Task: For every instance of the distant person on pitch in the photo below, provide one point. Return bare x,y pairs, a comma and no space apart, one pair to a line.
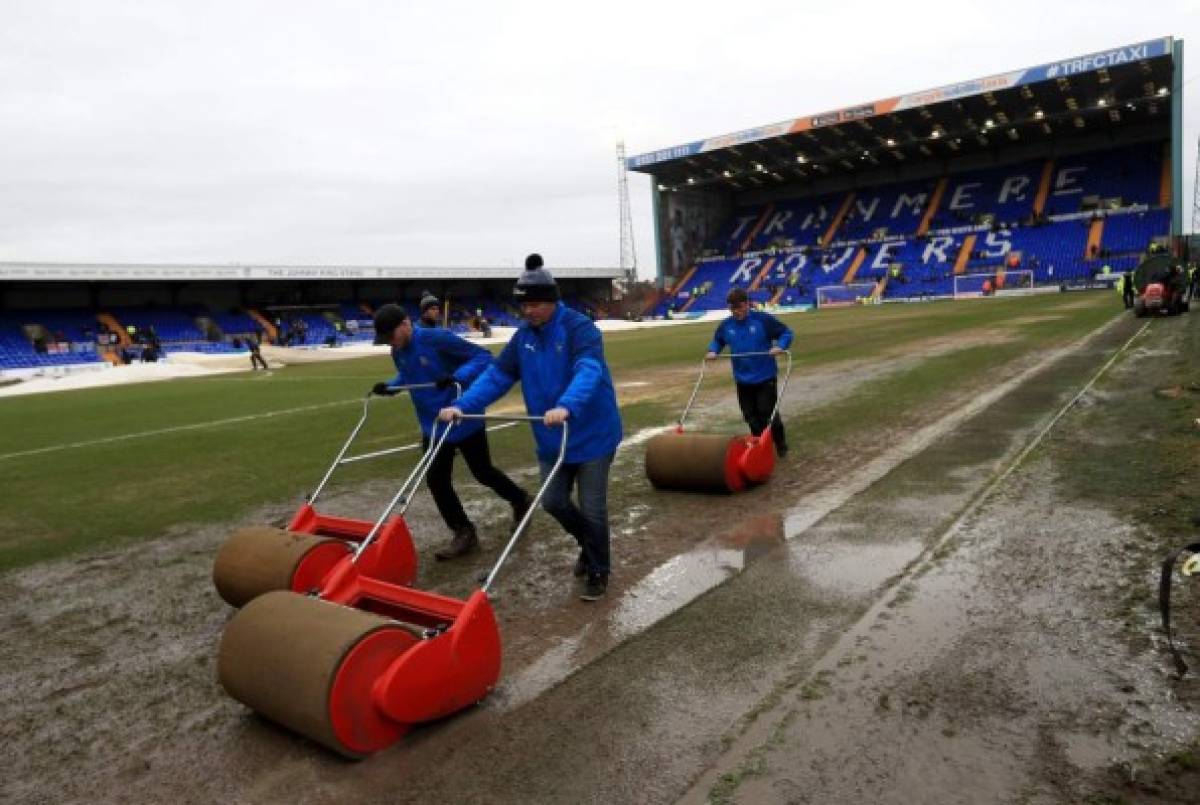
749,330
438,356
256,357
431,311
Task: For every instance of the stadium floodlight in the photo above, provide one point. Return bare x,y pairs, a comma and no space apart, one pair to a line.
691,180
801,158
1039,114
989,123
1162,91
935,133
890,142
758,166
1102,103
727,174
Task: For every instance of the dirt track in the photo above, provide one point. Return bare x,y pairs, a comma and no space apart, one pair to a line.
109,692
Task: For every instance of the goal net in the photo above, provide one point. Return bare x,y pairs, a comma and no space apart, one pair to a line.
856,293
1002,282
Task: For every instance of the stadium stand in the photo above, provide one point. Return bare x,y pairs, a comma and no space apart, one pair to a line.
52,324
170,325
236,323
26,342
983,220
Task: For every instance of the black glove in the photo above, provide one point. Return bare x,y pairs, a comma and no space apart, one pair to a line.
445,381
382,390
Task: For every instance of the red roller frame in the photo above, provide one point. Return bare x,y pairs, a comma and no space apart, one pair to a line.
390,679
750,459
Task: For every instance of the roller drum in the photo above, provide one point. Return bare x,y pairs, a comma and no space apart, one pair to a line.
688,461
260,559
311,666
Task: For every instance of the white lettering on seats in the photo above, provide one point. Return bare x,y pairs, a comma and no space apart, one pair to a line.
777,221
793,262
998,243
745,271
961,198
841,260
938,246
914,204
885,254
1014,186
814,218
865,212
1066,178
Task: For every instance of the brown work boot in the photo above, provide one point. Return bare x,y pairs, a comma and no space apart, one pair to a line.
465,541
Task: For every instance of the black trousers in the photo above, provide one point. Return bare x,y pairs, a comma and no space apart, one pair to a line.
478,456
255,360
1127,297
757,400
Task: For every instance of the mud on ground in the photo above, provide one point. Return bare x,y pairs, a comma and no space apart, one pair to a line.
1021,659
110,693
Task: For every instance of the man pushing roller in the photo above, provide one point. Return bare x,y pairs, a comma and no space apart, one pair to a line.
557,356
749,330
435,355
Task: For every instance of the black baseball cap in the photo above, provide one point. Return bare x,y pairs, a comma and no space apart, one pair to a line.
387,319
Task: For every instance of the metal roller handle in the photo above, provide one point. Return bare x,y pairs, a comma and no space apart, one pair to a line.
537,499
403,497
341,458
704,365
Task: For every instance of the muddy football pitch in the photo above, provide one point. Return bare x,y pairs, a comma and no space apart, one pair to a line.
945,593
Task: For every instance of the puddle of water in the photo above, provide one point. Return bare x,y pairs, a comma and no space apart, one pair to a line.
683,578
543,673
671,586
666,589
851,567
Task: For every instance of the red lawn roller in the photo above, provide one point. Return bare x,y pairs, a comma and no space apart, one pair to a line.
700,462
259,559
363,656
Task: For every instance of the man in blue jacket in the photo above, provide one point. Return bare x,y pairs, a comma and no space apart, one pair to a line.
435,355
749,330
557,356
431,311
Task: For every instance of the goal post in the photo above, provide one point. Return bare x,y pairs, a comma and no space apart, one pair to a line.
1002,282
855,293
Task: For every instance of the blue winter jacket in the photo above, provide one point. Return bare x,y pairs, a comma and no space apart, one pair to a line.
434,353
558,364
758,332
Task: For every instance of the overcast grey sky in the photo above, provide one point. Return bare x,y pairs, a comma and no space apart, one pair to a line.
447,133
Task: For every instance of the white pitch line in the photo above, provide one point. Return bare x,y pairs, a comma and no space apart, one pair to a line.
216,423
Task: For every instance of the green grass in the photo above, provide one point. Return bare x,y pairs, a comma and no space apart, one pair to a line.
1137,453
111,493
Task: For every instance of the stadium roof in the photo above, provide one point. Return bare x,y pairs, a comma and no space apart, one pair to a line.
141,272
1100,91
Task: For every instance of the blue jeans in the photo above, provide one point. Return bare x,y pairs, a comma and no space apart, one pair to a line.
587,522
